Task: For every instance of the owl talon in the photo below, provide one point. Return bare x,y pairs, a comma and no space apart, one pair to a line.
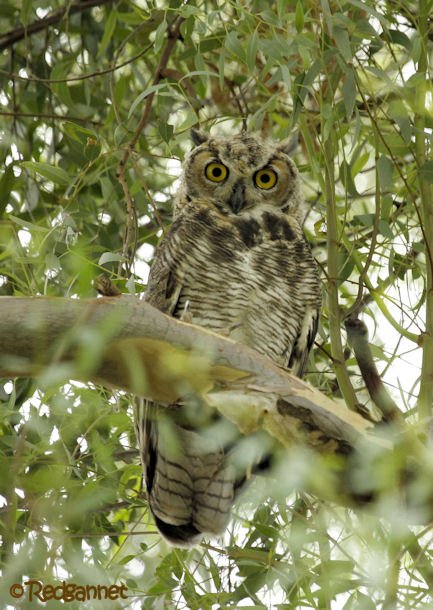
186,315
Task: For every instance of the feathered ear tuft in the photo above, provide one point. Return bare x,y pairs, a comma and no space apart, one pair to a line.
289,145
198,136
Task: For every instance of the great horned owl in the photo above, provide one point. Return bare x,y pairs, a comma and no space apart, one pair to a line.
235,261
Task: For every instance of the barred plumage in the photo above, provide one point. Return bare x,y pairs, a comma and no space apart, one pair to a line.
235,260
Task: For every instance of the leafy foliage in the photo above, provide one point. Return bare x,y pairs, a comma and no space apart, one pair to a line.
96,102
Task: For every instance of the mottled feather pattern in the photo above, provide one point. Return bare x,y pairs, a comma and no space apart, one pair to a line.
235,258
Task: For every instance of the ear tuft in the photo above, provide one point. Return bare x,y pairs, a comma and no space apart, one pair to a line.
289,145
198,136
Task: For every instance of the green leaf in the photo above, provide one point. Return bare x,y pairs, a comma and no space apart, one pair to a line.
366,219
386,206
28,225
187,28
385,229
400,38
144,94
385,168
299,17
160,36
364,7
26,8
78,133
166,131
110,257
349,93
50,172
6,183
252,48
343,42
345,264
107,37
126,559
198,73
347,178
234,46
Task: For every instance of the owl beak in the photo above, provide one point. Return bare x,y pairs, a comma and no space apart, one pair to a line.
237,198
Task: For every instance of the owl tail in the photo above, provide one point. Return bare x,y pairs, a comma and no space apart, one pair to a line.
190,485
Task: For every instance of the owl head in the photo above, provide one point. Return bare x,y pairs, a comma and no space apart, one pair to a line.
239,174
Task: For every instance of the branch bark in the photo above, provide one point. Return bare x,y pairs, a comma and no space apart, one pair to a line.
141,350
125,343
10,38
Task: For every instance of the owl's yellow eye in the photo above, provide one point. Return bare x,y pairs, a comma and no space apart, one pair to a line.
265,178
216,172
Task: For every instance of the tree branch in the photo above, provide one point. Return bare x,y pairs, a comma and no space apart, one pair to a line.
173,35
10,38
425,397
357,335
140,351
126,343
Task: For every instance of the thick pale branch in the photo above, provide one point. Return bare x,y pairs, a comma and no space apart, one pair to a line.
123,342
128,344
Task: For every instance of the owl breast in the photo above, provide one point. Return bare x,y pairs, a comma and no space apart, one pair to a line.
251,278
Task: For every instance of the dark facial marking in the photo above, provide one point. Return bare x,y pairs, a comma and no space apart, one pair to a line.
277,227
249,231
287,230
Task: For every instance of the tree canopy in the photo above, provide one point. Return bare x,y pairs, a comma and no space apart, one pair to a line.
97,99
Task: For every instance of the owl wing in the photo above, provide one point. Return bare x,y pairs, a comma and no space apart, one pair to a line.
304,341
167,273
189,485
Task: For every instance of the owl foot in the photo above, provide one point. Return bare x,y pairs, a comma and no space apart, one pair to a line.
186,315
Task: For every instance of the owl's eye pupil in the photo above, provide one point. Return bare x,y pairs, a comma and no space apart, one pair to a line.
265,179
216,172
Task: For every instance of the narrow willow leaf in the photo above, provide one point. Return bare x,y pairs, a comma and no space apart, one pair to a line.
234,46
50,172
299,16
252,48
347,178
110,257
343,42
349,93
385,168
160,36
107,37
28,225
6,183
146,93
385,229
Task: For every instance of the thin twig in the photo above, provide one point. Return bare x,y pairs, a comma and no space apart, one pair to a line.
70,79
130,237
48,115
13,36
